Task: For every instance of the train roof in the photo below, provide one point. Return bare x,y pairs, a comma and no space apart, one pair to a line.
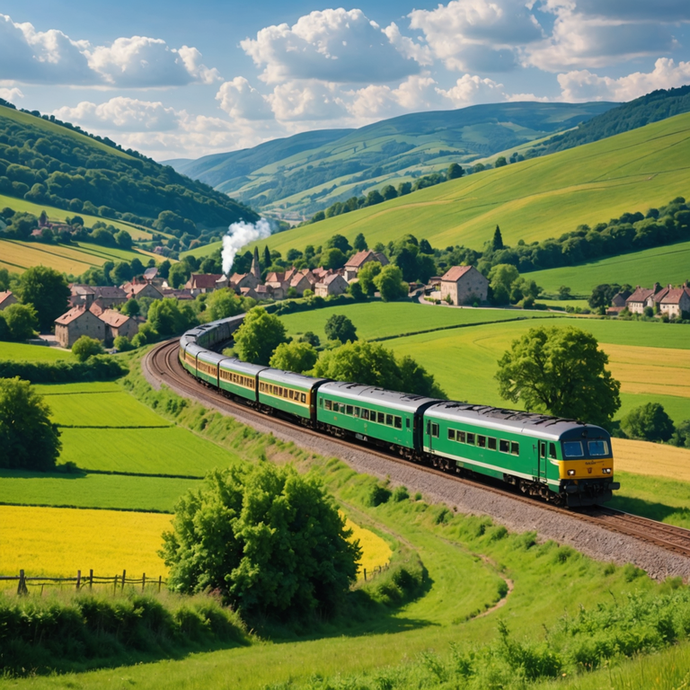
194,349
362,395
210,357
237,365
289,378
516,421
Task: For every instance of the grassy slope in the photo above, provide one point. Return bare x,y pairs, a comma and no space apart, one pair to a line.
531,200
37,353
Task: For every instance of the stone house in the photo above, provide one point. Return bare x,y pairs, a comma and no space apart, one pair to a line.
241,280
202,282
355,262
331,285
7,299
139,290
637,302
118,324
302,280
675,302
76,322
464,284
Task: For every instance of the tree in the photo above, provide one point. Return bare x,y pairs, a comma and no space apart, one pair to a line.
649,422
47,291
168,317
360,243
391,284
258,336
374,197
454,171
223,303
367,275
500,162
311,338
389,192
295,356
131,308
501,279
404,188
271,541
355,289
681,436
86,347
338,242
178,275
122,272
339,327
333,258
560,371
29,440
564,293
123,240
122,343
267,257
497,241
425,247
21,321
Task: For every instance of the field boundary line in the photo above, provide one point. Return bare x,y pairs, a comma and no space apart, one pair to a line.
142,474
66,506
88,426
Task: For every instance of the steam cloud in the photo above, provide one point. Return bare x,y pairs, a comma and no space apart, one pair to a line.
239,235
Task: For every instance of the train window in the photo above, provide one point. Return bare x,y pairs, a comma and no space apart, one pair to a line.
357,412
365,413
598,448
320,401
398,422
572,449
504,446
552,451
492,443
303,397
514,448
481,441
434,430
470,439
381,418
349,410
329,404
460,436
389,419
451,434
407,422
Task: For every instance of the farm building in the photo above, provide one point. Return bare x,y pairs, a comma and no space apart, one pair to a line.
7,299
118,324
675,302
463,285
355,263
331,285
641,298
203,282
138,290
243,280
76,322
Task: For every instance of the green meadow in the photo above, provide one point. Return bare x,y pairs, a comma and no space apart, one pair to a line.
531,200
36,353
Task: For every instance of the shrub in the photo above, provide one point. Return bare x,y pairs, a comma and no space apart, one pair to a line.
377,495
400,493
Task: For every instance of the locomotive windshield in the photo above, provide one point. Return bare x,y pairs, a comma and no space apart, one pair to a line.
597,448
572,449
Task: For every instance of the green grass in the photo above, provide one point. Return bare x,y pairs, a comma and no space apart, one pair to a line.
108,409
531,200
670,264
92,490
34,353
381,320
80,387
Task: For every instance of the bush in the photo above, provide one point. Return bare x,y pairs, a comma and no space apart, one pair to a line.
400,493
86,347
649,422
377,495
99,368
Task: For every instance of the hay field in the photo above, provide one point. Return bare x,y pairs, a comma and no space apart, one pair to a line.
375,551
653,459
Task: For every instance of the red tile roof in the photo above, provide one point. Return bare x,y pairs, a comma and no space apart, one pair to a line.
5,295
640,295
71,315
360,258
204,281
455,273
674,295
113,318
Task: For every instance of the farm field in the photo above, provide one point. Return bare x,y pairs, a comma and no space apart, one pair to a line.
375,551
34,353
376,320
652,459
589,184
669,264
74,259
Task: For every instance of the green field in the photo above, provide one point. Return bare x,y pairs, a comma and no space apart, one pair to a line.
36,353
670,264
531,200
92,490
74,259
378,320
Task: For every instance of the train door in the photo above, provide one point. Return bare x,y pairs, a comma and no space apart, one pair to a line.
542,461
432,433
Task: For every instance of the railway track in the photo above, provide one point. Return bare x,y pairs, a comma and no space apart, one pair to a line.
163,363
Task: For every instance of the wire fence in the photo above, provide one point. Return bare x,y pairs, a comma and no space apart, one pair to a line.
84,581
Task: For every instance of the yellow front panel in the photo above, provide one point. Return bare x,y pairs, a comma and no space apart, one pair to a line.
585,469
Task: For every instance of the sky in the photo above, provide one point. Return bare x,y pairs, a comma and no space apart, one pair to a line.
177,79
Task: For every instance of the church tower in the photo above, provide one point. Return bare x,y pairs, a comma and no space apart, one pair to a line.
256,266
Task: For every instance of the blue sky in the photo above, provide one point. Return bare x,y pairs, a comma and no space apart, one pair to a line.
181,79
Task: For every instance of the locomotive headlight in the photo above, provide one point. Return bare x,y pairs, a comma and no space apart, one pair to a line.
607,470
571,473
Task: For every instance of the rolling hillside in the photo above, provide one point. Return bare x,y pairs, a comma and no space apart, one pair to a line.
305,173
530,200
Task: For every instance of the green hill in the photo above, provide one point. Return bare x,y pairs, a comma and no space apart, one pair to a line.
310,171
530,200
50,163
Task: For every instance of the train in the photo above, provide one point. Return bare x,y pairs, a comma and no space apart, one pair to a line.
560,460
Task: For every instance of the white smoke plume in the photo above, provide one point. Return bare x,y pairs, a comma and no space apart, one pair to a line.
239,235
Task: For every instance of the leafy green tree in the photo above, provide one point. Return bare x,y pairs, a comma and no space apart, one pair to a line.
355,289
454,171
564,293
123,240
404,188
178,275
497,241
311,338
122,273
258,336
360,243
29,440
649,422
5,278
388,192
333,258
270,540
4,329
164,269
86,347
681,436
374,197
122,344
500,162
560,371
47,291
168,316
501,279
21,321
295,356
414,378
339,327
391,284
222,303
425,247
367,275
131,308
338,242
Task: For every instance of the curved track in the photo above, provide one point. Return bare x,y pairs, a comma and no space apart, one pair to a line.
163,363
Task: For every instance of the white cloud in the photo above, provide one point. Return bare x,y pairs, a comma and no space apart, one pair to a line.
11,94
479,35
471,89
123,114
311,100
239,99
52,57
332,45
582,85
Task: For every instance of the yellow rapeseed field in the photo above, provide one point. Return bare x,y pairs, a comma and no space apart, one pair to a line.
650,370
642,457
59,541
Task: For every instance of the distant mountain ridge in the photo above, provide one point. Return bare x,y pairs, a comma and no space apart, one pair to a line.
304,173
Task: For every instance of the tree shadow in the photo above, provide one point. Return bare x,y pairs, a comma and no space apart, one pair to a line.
26,474
651,509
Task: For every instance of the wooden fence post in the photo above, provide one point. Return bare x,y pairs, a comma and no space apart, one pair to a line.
160,582
78,579
115,584
365,574
21,587
124,574
91,578
143,581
